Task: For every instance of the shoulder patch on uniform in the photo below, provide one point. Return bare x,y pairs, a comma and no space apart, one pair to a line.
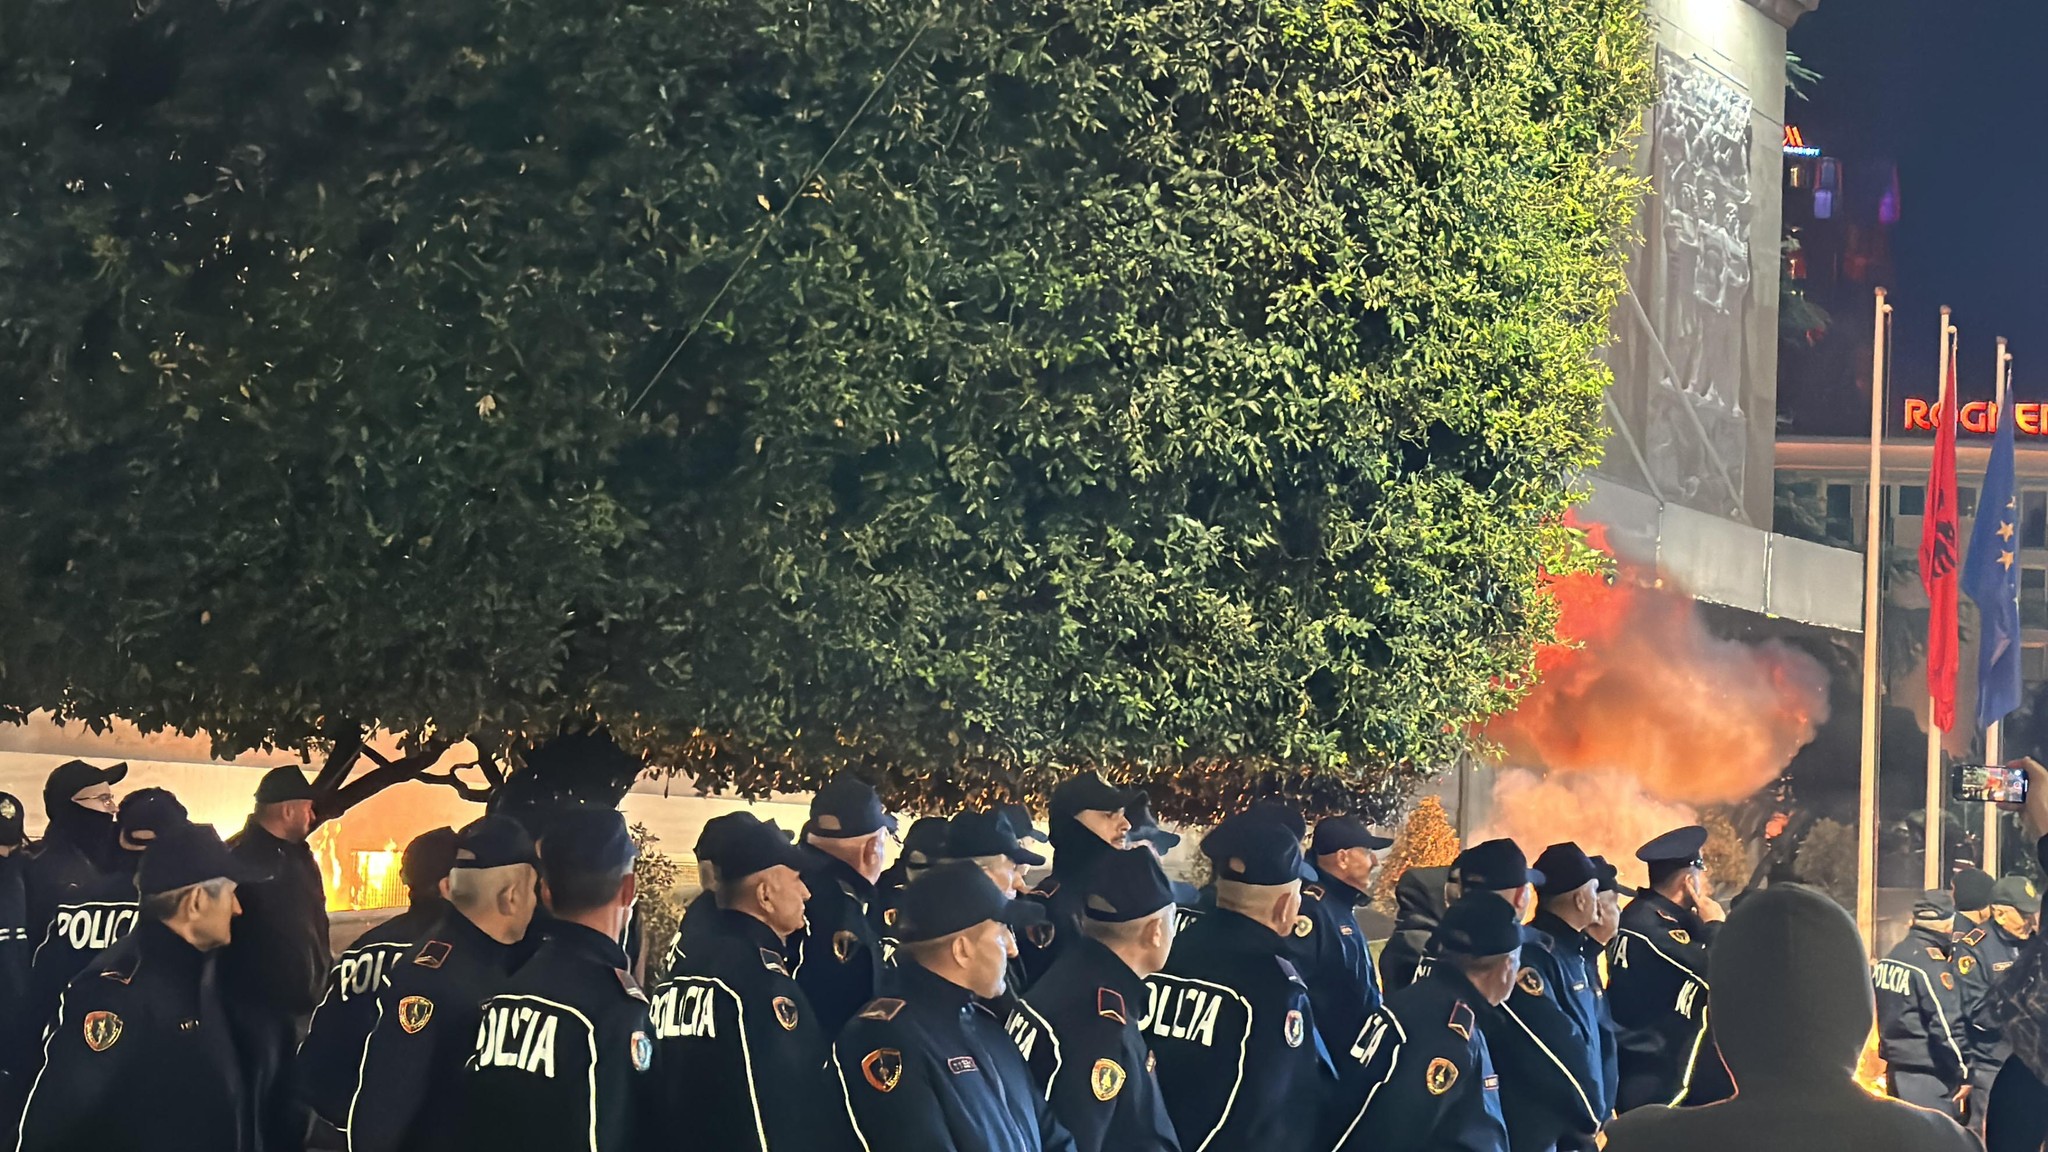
1040,934
844,945
102,1030
1936,954
1312,891
962,1065
1966,964
1287,967
1975,937
413,1014
884,1008
631,986
1303,925
433,954
2001,966
1440,1076
882,1068
1530,981
1681,935
1109,1004
1295,1029
643,1052
1106,1079
1948,981
117,976
785,1013
773,961
1461,1020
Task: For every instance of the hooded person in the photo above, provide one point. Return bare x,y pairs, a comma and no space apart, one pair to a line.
81,845
1418,906
1086,819
1793,1005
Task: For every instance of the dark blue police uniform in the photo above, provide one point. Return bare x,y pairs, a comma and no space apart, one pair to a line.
1919,1011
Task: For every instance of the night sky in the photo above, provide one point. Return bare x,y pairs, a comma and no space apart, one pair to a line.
1953,91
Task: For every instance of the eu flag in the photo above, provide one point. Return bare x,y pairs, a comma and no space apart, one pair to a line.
1991,578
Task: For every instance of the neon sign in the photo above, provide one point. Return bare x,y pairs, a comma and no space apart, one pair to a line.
1979,417
1795,142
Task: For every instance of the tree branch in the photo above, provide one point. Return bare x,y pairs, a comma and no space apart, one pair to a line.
384,775
341,761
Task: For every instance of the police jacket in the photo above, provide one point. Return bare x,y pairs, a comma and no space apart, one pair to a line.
1582,995
1039,945
15,950
1230,1023
76,910
281,955
1419,1077
332,1052
837,958
745,1065
1657,988
693,929
1418,905
1079,1033
927,1068
1920,1007
564,1054
1981,954
1545,1046
1334,960
140,1056
405,1090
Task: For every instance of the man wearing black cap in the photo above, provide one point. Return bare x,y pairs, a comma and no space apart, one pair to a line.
1981,954
1919,1010
1086,820
927,1068
81,846
923,846
744,1063
16,949
987,840
1420,1077
1240,1062
1079,1032
838,956
699,916
404,1091
140,1054
1599,934
1328,946
1972,890
330,1057
1657,980
1546,1039
564,1055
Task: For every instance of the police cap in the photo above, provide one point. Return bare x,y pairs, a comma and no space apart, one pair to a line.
2016,892
1145,826
741,844
148,811
188,854
1285,813
1495,866
1340,832
1253,848
1020,822
925,842
1565,867
1088,792
953,896
494,842
847,808
1674,851
1973,889
11,819
1126,886
1610,876
74,776
283,783
587,841
974,834
1480,924
428,857
1934,904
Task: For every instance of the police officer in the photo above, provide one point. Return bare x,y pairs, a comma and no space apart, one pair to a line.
923,846
1419,1077
405,1092
331,1055
1980,955
838,956
987,840
1972,890
15,949
1086,820
701,915
140,1054
927,1068
1240,1062
1919,1009
744,1063
1657,979
1552,1059
1420,897
1329,948
1079,1031
1599,934
563,1055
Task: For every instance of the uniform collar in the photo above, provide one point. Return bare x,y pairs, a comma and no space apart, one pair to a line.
838,870
1108,969
1945,939
748,929
1241,933
461,930
1451,975
1345,893
586,941
163,949
928,991
1555,928
1667,906
1998,930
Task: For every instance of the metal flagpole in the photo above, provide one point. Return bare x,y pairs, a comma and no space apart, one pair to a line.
1931,869
1994,736
1873,545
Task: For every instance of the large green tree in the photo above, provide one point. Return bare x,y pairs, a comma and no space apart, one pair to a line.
957,393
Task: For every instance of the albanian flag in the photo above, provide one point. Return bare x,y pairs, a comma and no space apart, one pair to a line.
1939,558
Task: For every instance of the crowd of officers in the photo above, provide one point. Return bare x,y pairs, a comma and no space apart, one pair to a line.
168,990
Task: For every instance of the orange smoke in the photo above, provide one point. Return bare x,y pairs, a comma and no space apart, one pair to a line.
1645,717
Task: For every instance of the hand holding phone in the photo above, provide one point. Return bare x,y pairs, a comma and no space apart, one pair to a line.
1989,783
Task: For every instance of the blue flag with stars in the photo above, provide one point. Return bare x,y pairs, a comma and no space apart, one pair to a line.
1991,579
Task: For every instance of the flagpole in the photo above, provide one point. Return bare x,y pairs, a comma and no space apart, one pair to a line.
1931,854
1873,543
1994,736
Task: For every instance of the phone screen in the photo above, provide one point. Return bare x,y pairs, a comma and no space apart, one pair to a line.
1988,783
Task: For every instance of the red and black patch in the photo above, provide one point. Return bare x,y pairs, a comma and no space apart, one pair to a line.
885,1008
1109,1004
433,954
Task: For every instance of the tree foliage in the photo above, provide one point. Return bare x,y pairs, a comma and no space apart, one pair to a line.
958,394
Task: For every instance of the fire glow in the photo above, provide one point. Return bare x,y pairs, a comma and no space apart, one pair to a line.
1644,717
360,852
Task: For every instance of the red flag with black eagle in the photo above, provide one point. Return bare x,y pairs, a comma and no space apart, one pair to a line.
1940,559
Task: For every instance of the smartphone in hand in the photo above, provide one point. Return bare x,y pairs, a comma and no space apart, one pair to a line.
1988,783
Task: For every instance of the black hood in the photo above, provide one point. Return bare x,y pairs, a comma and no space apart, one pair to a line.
90,832
1075,848
1419,899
